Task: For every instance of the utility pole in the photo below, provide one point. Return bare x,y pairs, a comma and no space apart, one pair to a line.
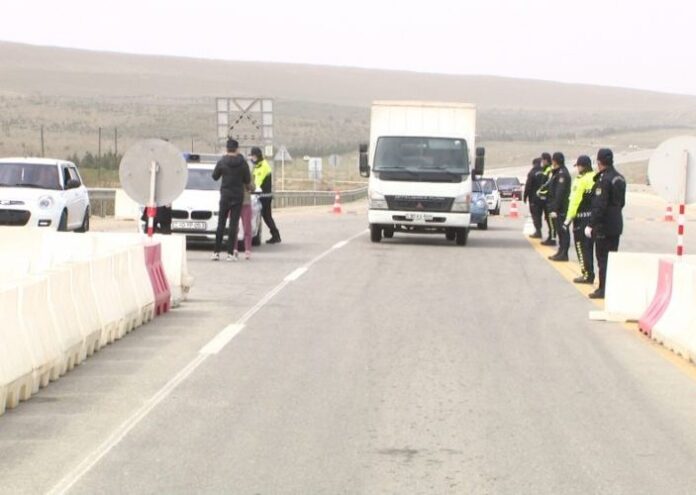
99,158
191,144
43,149
116,142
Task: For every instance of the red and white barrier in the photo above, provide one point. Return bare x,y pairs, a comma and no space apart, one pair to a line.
153,262
676,329
660,301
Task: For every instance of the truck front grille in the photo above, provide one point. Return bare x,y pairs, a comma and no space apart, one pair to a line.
419,203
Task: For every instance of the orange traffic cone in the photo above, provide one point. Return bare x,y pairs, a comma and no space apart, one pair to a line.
669,214
337,204
514,212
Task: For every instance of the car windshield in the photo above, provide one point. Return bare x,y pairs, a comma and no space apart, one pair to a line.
508,181
421,154
201,180
33,175
488,185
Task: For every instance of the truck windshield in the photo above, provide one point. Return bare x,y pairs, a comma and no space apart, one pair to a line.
33,175
420,154
201,180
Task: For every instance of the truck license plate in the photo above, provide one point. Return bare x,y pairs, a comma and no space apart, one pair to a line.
189,225
418,217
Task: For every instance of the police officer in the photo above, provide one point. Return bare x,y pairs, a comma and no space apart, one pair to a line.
579,215
606,219
542,194
535,180
559,194
263,179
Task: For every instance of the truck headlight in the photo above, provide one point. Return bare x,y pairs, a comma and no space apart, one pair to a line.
46,202
462,204
376,201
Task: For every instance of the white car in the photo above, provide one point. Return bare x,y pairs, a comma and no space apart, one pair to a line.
195,211
490,189
43,192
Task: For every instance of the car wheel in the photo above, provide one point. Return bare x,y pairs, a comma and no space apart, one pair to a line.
85,222
63,223
375,232
483,225
461,237
388,232
450,234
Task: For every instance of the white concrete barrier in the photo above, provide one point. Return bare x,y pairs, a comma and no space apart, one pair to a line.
675,329
85,306
16,359
107,299
65,320
631,285
175,262
125,208
39,330
125,286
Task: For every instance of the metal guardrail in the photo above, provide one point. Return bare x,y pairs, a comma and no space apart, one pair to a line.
103,200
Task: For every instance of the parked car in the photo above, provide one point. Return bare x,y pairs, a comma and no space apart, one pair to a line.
43,192
195,211
479,206
490,190
509,187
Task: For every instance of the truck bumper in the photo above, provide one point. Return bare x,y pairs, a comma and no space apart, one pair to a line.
419,221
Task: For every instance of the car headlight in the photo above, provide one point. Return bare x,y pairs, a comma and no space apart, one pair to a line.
376,201
46,202
462,203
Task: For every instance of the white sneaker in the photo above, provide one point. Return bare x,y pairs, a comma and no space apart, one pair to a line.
233,257
247,255
215,257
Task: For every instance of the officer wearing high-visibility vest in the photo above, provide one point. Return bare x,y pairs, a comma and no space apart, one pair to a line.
542,194
579,211
263,180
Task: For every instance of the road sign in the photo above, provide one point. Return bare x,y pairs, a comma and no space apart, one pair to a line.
334,160
314,168
153,173
248,120
672,173
672,170
283,155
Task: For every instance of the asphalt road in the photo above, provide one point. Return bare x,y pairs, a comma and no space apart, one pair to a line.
406,367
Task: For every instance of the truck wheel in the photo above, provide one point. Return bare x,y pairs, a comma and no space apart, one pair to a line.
483,225
450,234
462,236
388,232
375,232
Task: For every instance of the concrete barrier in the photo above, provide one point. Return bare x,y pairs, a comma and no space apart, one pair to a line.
675,329
126,290
107,299
85,306
16,359
662,296
175,263
38,329
65,319
124,207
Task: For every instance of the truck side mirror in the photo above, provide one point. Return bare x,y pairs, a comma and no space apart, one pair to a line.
480,161
364,165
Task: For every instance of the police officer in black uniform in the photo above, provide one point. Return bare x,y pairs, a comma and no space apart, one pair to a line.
606,219
542,194
535,179
559,196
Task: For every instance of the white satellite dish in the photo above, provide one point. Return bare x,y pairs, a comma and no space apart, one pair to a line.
672,170
136,172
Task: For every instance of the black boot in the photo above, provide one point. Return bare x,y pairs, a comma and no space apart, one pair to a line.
535,235
548,242
589,280
275,238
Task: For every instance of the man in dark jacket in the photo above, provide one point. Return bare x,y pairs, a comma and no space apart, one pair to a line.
235,174
535,179
559,195
606,219
542,194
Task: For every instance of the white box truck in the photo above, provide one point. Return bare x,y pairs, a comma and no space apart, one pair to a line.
421,162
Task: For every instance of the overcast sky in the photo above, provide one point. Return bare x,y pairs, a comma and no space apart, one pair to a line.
647,45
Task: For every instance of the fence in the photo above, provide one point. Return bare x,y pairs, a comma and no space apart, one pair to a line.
102,200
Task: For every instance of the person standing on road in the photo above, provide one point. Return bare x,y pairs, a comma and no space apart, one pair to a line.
606,219
263,180
559,195
535,180
579,215
235,174
247,214
542,194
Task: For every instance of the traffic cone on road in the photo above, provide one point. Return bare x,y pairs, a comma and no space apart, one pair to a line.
514,212
669,214
337,204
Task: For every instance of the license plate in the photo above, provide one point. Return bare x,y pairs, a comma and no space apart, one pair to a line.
418,217
189,225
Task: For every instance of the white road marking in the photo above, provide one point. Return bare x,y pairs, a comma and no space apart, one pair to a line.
339,245
221,339
296,274
214,346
